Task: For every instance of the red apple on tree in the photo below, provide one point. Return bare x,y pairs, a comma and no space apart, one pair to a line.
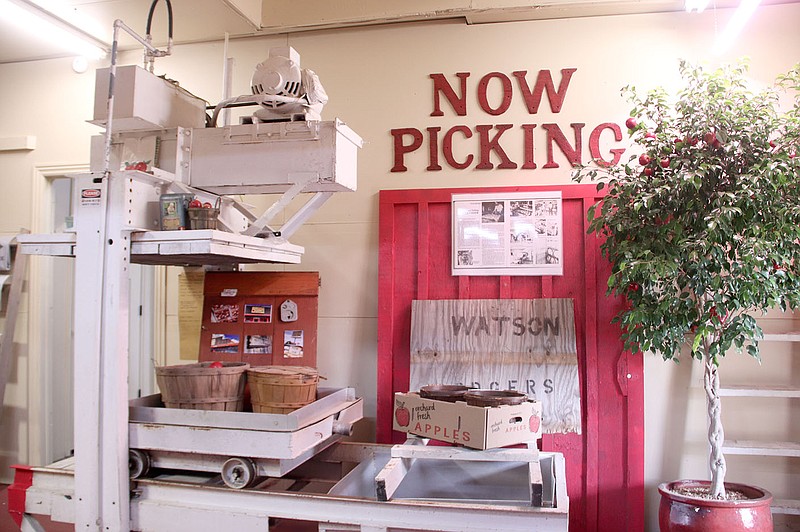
664,162
644,159
631,123
648,171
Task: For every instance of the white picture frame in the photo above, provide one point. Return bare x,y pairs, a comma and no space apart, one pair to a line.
518,233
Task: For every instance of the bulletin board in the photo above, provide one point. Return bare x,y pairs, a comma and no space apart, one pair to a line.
262,318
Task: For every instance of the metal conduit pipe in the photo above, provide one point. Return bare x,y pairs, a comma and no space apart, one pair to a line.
151,51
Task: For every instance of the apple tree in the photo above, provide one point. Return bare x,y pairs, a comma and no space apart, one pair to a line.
702,223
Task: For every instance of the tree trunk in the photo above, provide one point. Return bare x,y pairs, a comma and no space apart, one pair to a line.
716,436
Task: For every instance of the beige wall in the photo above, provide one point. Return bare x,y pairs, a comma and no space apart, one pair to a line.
378,79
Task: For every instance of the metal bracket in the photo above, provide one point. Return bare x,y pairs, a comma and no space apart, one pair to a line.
258,226
308,130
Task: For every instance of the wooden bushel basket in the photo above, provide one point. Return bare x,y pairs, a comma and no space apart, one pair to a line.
282,389
199,387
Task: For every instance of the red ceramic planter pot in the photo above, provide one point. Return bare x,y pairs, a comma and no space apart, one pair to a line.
680,513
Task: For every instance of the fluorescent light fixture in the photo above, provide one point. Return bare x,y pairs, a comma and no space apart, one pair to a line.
38,21
735,24
696,5
76,16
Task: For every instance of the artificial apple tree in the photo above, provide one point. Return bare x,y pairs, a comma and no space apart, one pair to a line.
702,224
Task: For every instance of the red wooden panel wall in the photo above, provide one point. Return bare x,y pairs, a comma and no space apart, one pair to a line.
605,464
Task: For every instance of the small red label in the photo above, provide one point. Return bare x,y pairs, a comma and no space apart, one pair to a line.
90,193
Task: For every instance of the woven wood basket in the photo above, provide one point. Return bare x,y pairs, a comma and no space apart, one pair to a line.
199,387
282,389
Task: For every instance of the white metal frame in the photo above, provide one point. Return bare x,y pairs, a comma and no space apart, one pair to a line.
181,504
103,244
101,361
403,457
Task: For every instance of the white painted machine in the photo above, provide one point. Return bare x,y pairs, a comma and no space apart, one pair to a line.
160,126
284,148
158,141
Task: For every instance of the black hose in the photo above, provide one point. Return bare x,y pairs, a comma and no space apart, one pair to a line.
150,17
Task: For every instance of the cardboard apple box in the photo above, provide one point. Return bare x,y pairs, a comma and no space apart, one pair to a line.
477,427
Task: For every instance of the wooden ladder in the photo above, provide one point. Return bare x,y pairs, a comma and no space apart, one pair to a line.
19,268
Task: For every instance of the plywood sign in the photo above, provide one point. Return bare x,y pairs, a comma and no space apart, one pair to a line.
505,344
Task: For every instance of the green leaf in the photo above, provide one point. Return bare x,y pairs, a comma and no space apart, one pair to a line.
698,339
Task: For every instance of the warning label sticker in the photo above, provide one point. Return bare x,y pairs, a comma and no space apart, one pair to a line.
90,196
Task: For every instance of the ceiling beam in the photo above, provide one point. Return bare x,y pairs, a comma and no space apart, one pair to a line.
286,16
249,10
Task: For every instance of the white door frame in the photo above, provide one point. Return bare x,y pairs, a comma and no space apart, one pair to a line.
39,284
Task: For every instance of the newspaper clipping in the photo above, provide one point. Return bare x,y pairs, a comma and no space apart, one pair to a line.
509,234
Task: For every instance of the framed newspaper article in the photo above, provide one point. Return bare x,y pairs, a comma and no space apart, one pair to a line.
508,234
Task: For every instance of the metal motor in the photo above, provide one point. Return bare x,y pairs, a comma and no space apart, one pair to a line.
290,92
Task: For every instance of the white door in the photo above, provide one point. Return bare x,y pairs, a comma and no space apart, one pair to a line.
141,361
58,293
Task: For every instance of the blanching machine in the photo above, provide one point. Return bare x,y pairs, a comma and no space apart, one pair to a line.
195,470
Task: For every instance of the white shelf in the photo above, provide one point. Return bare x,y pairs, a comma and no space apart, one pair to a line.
786,506
208,246
196,247
759,391
758,448
782,337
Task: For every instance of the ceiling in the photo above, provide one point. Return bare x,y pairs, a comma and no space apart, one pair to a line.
208,20
193,21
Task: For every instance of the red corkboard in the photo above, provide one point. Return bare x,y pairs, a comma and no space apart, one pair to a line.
243,322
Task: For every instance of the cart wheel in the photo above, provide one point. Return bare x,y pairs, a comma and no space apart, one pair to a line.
238,473
138,463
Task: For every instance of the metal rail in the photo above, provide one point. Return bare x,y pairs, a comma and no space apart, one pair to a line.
202,503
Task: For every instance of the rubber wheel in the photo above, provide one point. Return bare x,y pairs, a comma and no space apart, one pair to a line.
238,473
138,463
